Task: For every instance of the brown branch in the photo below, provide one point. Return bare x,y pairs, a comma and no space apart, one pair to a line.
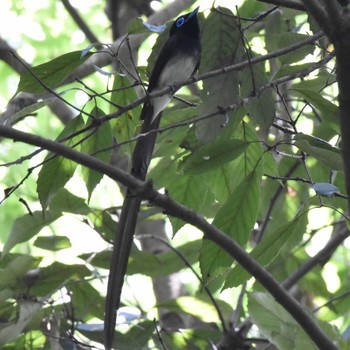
80,22
324,254
292,4
317,11
171,207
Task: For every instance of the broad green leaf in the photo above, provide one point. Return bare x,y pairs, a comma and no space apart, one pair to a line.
152,265
236,218
87,301
27,310
57,170
200,307
190,191
270,164
287,39
14,270
27,226
31,108
275,27
221,46
102,141
328,110
53,243
226,178
262,107
51,74
168,141
238,215
125,126
267,250
103,224
57,275
163,264
276,324
65,201
321,150
213,155
288,69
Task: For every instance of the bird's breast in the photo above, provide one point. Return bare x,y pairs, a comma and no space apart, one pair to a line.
180,67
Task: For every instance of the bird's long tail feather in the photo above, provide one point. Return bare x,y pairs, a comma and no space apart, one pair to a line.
127,224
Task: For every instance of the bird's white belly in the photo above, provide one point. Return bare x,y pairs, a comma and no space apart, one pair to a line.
178,69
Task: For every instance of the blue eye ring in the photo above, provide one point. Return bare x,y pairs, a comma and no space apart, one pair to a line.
179,22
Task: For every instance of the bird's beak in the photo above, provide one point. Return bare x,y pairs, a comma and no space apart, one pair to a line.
194,12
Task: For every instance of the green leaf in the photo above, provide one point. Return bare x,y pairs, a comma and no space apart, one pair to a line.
53,243
287,39
238,215
221,46
31,108
225,179
125,126
321,150
190,191
199,306
276,324
27,310
262,107
267,250
163,264
236,218
103,224
51,74
328,110
14,269
168,141
152,265
65,201
57,275
57,170
213,155
27,226
102,139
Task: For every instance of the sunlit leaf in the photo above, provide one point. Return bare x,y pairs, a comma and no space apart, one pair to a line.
276,324
27,226
266,251
65,201
98,145
53,243
51,74
213,155
236,218
221,46
57,170
125,126
321,150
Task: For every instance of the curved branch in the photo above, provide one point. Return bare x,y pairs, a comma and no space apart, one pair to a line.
80,22
333,243
146,190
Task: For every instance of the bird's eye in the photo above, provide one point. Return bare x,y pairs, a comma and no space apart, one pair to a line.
179,22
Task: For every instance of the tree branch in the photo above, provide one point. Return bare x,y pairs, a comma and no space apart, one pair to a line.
292,4
146,191
317,11
80,22
334,242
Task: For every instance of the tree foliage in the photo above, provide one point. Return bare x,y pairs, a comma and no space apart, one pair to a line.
248,152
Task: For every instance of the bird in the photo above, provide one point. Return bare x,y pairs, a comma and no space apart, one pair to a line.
178,60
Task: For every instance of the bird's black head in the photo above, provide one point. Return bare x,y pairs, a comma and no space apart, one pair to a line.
186,24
